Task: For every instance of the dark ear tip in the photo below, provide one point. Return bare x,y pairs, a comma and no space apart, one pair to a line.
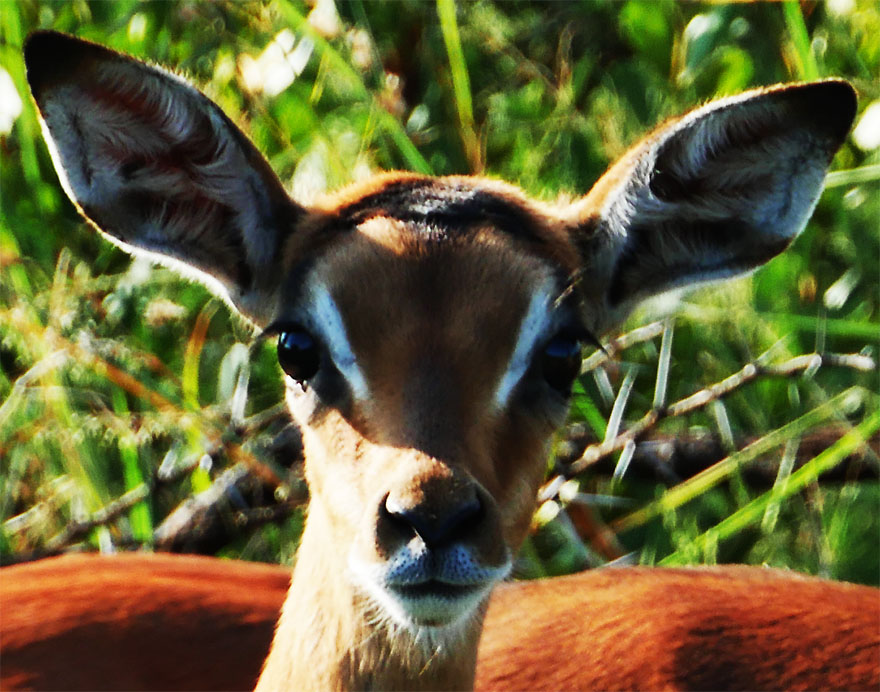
41,46
833,103
39,52
44,54
37,41
49,55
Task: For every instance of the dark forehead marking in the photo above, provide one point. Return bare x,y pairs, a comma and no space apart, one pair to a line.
440,208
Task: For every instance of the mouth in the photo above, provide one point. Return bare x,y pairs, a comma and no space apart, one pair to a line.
435,603
429,592
434,588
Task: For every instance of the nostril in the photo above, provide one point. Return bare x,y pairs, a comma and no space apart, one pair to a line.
437,526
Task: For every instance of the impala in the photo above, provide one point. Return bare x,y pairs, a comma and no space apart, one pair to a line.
430,330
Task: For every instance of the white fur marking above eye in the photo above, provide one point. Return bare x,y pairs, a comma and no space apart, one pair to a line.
327,322
533,326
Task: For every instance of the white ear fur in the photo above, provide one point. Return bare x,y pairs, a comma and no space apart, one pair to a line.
159,168
713,194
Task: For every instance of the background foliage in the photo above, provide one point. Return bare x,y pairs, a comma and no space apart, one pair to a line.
110,371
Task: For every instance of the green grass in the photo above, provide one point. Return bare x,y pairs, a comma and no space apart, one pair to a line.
109,371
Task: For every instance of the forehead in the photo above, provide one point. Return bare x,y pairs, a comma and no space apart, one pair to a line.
442,269
436,209
440,239
392,276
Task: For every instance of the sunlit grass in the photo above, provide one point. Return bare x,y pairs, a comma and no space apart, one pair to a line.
107,371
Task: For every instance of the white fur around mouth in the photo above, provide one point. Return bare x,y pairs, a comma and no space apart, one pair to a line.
427,600
438,604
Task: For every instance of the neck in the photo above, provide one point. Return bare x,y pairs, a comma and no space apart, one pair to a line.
330,637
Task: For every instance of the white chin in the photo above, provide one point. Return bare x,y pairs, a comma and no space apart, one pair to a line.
421,610
435,610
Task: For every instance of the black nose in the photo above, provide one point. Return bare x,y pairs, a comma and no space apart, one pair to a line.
435,526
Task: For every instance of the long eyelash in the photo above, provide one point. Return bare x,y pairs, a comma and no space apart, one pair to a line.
277,328
581,333
593,340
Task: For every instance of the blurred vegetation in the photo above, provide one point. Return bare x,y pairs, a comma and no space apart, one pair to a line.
110,371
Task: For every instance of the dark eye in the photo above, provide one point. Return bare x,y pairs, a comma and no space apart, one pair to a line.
298,354
561,361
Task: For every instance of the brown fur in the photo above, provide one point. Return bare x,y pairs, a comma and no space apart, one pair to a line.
139,622
429,305
161,622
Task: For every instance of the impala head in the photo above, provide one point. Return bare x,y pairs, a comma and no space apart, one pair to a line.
430,329
430,346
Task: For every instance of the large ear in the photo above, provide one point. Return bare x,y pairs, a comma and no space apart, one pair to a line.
159,168
709,195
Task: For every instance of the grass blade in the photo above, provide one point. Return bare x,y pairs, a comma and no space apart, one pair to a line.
805,61
808,473
461,83
414,160
715,474
854,176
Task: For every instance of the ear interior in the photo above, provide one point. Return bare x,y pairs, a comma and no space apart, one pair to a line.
157,166
715,193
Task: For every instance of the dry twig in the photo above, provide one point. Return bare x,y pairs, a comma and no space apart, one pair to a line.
748,373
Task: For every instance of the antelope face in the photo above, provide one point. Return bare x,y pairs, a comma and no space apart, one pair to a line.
429,328
436,408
